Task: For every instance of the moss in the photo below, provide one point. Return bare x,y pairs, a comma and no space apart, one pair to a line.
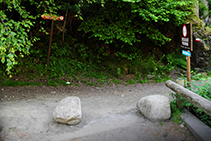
207,31
195,20
197,23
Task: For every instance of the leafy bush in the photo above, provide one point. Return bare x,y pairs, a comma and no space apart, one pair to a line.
123,19
176,60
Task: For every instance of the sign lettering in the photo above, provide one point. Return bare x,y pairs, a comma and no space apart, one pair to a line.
185,39
185,44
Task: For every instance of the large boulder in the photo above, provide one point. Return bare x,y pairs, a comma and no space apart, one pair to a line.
155,107
68,111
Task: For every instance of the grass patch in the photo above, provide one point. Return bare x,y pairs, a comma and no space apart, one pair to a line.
9,82
131,81
116,81
52,83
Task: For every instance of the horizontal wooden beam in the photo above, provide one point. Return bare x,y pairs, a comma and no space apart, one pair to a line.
195,99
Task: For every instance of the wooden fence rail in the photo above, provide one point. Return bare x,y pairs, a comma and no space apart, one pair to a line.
195,99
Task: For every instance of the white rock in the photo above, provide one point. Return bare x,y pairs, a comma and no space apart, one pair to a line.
182,126
155,107
68,111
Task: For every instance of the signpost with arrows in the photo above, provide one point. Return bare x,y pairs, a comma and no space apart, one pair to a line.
186,43
51,17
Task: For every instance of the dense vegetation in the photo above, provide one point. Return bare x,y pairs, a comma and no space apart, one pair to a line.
110,29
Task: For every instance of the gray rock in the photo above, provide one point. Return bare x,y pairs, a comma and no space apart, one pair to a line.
155,107
68,111
150,76
197,69
204,74
180,82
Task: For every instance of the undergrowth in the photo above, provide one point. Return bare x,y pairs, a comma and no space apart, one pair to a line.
79,62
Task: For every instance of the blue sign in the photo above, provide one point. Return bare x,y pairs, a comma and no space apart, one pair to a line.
186,53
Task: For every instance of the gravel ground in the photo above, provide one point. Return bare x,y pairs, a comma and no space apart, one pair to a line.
109,113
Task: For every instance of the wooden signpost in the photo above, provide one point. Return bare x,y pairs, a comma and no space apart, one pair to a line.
52,17
186,43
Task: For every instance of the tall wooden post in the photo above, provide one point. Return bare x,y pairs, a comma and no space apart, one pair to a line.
49,49
188,70
188,57
187,44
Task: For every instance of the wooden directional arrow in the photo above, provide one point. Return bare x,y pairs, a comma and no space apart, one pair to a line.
51,17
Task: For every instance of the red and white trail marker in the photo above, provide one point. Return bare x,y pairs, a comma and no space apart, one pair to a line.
198,40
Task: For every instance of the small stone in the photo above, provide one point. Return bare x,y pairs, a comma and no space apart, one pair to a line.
182,126
53,92
150,76
181,82
203,73
165,135
197,69
24,95
2,89
181,138
67,83
5,96
123,96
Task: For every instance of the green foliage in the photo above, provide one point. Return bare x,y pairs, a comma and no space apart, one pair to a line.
114,22
14,35
176,60
131,81
16,22
9,82
116,81
209,73
175,112
204,91
52,82
198,76
204,10
123,19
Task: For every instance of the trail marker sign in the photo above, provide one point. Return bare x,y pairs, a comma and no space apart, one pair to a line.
186,37
51,17
186,53
186,43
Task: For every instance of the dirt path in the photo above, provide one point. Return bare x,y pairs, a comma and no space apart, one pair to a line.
109,113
